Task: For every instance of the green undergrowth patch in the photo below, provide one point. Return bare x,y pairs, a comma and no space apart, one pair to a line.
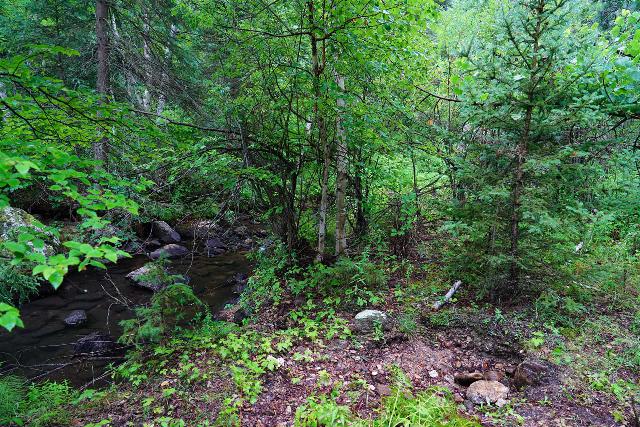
219,352
37,405
404,407
349,283
604,356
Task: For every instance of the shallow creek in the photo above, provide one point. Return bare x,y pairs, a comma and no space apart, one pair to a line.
44,348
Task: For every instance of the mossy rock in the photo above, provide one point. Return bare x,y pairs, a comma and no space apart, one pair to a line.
13,221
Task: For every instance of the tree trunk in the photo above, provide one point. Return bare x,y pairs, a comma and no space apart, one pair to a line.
317,69
361,219
100,147
148,64
521,155
342,177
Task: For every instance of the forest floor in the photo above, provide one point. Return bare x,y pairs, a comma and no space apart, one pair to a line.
580,368
583,385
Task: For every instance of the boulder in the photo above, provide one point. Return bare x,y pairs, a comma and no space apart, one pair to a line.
15,220
152,243
145,277
533,371
204,229
94,344
487,392
169,251
366,320
241,231
215,246
164,232
76,318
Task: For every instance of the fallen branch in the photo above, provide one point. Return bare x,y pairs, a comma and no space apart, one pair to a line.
438,304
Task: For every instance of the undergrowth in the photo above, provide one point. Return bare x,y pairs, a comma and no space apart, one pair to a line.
433,407
36,405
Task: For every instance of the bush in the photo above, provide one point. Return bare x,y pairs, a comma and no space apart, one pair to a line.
16,286
351,282
264,286
37,405
175,307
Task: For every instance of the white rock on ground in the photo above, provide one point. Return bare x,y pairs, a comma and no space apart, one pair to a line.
487,392
366,320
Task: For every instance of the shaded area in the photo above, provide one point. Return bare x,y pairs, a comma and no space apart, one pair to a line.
45,347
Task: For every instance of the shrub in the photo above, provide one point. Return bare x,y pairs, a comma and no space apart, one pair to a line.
36,405
175,307
16,286
12,393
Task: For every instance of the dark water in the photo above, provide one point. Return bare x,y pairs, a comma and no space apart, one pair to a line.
44,348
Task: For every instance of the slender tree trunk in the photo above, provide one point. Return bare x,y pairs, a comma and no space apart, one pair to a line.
521,155
342,176
415,182
317,69
147,65
100,147
361,218
163,77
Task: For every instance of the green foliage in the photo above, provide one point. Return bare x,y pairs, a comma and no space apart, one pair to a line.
430,408
38,405
173,308
12,393
15,285
264,286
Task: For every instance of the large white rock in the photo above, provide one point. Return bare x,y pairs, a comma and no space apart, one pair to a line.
366,320
487,392
147,277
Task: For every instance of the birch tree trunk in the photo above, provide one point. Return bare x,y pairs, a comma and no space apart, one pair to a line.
342,177
317,69
100,147
147,65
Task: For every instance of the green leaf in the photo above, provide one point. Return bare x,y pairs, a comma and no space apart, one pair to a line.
9,317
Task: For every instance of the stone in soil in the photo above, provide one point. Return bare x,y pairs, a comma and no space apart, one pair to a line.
76,318
94,343
170,251
487,392
164,232
533,371
366,320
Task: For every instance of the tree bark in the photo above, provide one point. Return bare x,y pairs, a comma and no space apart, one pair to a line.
100,147
317,69
342,176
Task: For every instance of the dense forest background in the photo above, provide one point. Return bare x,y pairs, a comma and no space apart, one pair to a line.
387,148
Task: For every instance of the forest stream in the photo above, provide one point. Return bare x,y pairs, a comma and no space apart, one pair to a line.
45,348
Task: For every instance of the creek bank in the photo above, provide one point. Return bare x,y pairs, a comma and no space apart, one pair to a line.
49,343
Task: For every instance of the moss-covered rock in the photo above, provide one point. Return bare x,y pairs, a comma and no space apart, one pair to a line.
13,221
